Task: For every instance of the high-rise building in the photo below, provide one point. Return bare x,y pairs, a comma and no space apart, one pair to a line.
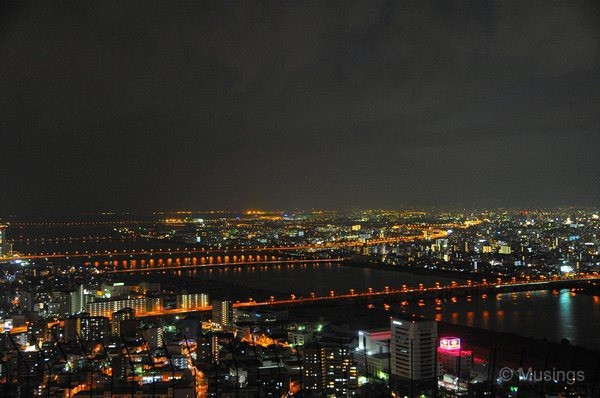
63,301
192,300
329,367
154,336
79,298
3,242
208,348
119,317
129,328
94,328
413,355
442,243
121,367
312,368
29,362
108,307
222,313
89,328
26,301
374,341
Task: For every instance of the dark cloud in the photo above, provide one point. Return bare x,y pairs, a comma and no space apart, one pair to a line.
145,105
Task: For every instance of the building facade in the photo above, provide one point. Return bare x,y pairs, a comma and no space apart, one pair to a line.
413,355
222,313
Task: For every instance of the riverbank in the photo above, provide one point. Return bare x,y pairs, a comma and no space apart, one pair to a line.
516,351
497,349
462,275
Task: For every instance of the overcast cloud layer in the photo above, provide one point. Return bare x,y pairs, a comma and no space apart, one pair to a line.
164,105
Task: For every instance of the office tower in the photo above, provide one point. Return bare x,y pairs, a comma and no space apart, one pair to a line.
374,341
222,313
118,318
413,355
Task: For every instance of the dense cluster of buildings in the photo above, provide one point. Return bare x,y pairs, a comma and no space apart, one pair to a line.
515,243
70,329
502,241
512,242
228,351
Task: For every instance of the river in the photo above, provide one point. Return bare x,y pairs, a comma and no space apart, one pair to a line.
542,314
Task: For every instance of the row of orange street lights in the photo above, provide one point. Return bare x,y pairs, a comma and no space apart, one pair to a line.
404,289
218,250
369,292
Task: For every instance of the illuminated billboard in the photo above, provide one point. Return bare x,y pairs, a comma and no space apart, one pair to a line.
450,343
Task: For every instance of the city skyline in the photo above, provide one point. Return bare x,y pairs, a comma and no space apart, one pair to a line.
358,303
377,105
299,199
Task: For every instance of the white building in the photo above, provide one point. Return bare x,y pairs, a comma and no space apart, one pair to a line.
413,348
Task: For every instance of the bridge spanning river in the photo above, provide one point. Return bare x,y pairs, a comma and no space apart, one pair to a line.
183,258
454,289
79,250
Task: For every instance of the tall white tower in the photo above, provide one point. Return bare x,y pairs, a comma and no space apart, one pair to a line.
413,349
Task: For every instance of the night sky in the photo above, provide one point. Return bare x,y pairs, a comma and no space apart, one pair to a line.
297,104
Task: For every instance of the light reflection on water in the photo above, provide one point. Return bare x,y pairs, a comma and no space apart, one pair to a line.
317,278
536,314
548,314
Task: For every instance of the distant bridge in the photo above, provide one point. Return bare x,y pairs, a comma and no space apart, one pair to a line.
190,252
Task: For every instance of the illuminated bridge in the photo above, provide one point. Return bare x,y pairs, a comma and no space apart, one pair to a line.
190,252
411,293
418,231
452,290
